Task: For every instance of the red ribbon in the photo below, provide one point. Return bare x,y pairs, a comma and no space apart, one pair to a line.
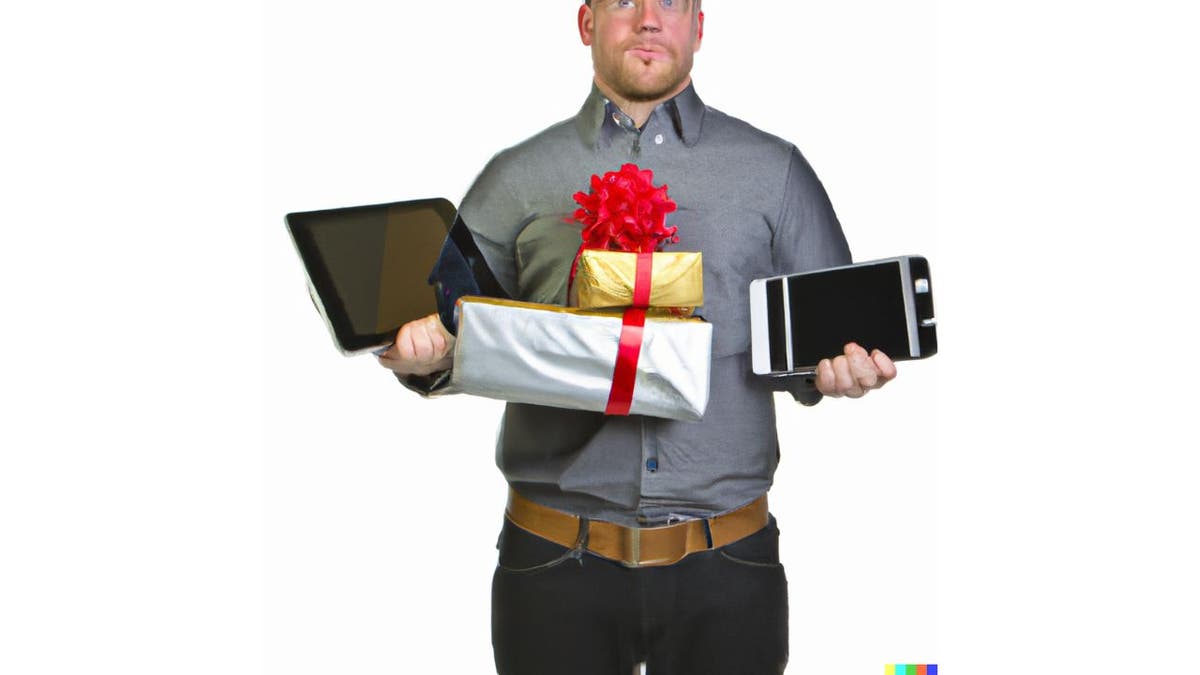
641,280
620,396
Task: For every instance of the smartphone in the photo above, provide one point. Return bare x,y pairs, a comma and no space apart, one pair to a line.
798,319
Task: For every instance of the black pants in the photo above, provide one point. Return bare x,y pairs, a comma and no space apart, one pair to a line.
561,612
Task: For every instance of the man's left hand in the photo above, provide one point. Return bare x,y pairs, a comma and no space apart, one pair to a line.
854,373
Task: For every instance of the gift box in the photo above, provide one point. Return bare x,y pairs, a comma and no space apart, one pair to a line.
610,279
642,362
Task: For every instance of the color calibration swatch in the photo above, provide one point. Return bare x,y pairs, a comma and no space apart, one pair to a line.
910,669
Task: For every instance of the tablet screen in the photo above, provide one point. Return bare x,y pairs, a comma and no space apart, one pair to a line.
369,265
811,316
851,304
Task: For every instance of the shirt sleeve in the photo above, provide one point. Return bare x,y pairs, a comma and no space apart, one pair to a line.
807,237
495,215
477,258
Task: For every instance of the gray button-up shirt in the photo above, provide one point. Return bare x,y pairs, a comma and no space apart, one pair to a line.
752,205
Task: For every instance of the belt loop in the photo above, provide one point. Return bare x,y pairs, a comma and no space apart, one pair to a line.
581,541
708,532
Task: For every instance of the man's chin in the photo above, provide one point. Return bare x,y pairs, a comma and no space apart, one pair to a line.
649,90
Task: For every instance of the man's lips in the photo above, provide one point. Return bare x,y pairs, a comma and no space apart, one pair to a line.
647,53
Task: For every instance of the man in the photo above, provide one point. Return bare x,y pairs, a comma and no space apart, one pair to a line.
632,539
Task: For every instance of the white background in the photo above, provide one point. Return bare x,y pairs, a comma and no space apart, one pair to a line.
194,481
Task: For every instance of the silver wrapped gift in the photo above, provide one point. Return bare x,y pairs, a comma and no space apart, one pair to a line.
564,357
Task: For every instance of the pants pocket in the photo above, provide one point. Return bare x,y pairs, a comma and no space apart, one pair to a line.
522,552
760,549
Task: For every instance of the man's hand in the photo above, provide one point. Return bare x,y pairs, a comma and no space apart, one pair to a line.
422,347
854,373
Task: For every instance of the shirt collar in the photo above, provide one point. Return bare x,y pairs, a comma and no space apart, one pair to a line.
685,110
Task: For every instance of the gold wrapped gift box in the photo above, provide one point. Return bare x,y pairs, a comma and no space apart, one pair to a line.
564,357
607,279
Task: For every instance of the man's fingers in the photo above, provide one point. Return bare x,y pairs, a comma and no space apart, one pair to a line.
439,338
854,373
825,380
846,384
406,349
404,352
862,367
887,369
422,343
422,346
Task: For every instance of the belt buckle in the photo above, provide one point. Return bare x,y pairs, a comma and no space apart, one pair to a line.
667,547
634,547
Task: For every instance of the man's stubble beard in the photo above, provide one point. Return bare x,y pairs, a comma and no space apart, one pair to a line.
632,87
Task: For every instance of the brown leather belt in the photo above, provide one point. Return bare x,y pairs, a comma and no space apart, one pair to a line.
637,546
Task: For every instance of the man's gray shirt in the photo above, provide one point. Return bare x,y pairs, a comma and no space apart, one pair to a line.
752,205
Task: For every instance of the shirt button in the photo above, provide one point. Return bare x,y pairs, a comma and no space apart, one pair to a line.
658,139
652,465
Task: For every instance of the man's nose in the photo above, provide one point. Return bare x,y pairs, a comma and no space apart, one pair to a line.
649,18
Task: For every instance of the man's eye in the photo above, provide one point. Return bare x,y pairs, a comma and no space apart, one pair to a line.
625,3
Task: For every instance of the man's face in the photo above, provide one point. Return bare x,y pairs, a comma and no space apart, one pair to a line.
642,49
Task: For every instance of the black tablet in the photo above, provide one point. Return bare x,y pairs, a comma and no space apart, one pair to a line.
796,320
368,266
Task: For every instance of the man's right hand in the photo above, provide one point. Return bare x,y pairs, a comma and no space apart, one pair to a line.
422,347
